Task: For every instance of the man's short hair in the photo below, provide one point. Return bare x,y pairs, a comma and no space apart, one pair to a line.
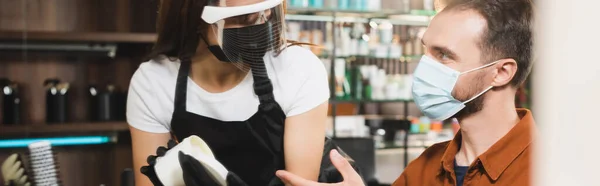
508,33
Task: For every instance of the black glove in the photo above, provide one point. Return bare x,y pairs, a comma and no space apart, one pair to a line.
195,174
329,173
149,170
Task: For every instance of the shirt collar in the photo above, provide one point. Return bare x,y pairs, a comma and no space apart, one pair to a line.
500,155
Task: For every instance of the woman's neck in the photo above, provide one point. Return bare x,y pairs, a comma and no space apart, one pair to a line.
213,75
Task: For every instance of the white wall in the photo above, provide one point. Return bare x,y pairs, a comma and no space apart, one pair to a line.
566,92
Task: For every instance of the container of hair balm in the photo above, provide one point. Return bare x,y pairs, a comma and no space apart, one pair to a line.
169,170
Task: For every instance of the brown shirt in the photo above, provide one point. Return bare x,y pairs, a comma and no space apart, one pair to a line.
507,162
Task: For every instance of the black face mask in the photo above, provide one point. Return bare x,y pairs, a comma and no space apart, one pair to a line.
246,44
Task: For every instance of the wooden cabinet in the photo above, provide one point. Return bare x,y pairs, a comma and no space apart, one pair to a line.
127,24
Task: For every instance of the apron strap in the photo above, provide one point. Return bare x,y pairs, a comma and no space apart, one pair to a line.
263,88
181,86
180,92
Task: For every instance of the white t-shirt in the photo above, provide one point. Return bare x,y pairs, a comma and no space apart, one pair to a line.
299,81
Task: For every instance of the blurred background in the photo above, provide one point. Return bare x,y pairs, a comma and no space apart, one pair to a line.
65,67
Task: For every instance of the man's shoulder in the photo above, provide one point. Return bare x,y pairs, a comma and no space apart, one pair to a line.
432,156
424,169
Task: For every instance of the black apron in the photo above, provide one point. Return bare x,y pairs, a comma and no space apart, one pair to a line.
253,149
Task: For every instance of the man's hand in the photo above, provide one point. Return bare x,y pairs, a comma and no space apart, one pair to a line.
351,177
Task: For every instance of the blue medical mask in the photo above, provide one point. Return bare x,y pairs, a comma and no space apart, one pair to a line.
432,88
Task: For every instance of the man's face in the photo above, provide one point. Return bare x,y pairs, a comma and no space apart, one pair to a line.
453,39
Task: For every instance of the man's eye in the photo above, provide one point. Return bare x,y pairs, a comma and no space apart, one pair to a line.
442,56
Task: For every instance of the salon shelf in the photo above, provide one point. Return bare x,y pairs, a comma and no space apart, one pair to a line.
369,101
407,58
415,17
412,20
105,37
66,128
362,13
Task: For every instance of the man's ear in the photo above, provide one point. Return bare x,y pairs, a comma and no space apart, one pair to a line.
505,72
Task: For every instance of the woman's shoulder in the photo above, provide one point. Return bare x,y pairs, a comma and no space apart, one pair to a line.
297,60
156,74
160,65
157,70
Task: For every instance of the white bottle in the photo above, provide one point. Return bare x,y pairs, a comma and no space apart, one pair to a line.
428,4
374,5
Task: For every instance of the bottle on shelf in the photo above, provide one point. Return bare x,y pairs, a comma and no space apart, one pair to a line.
415,125
11,102
367,88
340,72
425,124
436,126
57,101
343,4
316,4
357,82
428,5
298,3
373,5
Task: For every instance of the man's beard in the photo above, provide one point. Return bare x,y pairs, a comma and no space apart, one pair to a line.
476,104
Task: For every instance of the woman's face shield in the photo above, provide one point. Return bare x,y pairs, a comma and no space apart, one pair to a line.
245,30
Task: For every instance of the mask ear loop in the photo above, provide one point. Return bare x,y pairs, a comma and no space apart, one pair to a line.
481,67
487,89
481,93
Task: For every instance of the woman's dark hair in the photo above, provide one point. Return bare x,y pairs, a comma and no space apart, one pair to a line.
178,25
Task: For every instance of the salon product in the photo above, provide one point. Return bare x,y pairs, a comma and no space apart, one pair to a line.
428,4
104,103
378,83
340,72
373,5
330,4
363,45
395,48
57,101
436,126
298,3
392,88
367,89
399,138
343,4
11,102
417,45
408,48
357,4
127,177
382,51
386,33
405,6
407,86
294,29
43,164
348,86
357,82
316,3
425,124
415,125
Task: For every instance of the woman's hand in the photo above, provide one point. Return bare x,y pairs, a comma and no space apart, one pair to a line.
351,177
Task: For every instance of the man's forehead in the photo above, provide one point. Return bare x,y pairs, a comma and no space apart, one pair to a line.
452,26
